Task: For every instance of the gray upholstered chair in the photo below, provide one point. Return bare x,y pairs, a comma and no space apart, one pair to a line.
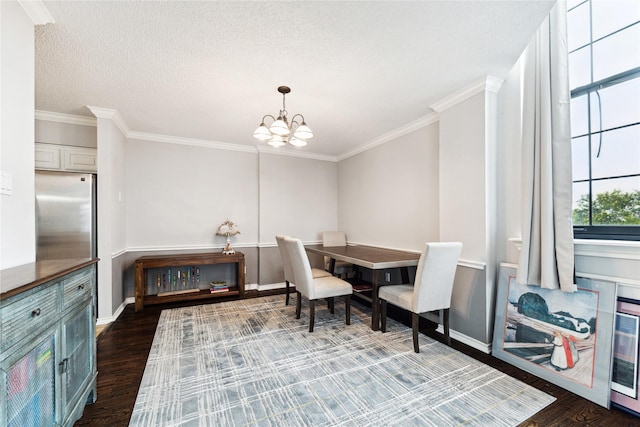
314,289
288,272
432,288
331,239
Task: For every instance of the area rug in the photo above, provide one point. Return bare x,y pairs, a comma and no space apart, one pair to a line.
252,363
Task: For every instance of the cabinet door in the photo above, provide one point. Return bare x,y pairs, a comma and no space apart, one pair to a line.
76,358
80,159
47,157
28,392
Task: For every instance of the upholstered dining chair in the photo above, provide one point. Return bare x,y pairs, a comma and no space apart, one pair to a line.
431,290
288,272
336,238
314,289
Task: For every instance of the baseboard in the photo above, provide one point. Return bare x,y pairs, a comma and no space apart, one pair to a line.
465,339
267,287
107,320
471,342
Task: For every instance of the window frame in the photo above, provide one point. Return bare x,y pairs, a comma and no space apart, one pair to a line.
590,231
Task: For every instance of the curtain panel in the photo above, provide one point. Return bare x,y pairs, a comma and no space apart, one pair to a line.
547,256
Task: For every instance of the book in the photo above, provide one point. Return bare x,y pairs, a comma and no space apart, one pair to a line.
218,286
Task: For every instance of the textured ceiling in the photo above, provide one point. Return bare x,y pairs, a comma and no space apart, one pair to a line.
210,70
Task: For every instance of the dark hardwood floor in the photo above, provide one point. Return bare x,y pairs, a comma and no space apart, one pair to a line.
123,348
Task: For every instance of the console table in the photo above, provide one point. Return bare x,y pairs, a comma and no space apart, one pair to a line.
185,290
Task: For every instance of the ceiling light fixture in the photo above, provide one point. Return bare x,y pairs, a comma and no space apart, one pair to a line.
281,131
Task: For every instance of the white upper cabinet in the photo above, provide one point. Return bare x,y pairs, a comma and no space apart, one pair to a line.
65,158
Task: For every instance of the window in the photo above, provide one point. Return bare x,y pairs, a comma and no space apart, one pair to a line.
604,76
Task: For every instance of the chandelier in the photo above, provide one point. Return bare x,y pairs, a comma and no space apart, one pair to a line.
281,130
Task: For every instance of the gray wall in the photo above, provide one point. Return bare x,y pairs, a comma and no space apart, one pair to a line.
178,195
388,195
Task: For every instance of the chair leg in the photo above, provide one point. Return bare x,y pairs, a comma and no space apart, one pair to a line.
383,315
312,314
286,298
298,304
331,305
347,306
415,321
445,321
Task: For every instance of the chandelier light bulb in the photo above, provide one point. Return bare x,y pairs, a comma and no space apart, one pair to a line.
303,132
262,133
297,142
277,141
280,127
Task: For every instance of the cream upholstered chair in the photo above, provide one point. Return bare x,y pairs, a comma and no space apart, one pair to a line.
314,289
336,238
288,272
432,288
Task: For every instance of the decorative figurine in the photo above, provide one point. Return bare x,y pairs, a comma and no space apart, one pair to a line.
228,229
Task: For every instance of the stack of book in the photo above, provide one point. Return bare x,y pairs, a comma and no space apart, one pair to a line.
219,287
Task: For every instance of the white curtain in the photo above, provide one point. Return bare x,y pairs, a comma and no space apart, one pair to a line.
546,258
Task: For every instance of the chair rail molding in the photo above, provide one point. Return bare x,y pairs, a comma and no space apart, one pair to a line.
619,249
188,247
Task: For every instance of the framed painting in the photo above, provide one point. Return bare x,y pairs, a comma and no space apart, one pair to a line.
626,348
562,337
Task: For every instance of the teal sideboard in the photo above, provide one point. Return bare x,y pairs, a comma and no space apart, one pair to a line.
47,342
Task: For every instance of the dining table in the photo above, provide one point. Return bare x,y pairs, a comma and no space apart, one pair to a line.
373,258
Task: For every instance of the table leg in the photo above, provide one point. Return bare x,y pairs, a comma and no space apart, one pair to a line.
404,271
375,309
332,265
139,292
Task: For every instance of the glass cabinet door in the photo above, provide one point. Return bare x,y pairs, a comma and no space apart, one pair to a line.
29,387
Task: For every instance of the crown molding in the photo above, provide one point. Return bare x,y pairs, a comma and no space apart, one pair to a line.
143,136
489,84
111,114
390,136
37,11
294,153
50,116
114,115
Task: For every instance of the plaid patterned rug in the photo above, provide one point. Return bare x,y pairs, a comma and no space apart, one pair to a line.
250,362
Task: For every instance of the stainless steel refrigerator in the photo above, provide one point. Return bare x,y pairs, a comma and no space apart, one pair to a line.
65,215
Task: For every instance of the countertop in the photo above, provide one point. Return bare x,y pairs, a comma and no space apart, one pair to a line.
24,277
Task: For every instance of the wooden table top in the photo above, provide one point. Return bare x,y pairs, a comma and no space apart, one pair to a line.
189,259
367,256
24,277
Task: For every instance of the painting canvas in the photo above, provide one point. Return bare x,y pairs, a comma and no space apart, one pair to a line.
563,337
624,382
